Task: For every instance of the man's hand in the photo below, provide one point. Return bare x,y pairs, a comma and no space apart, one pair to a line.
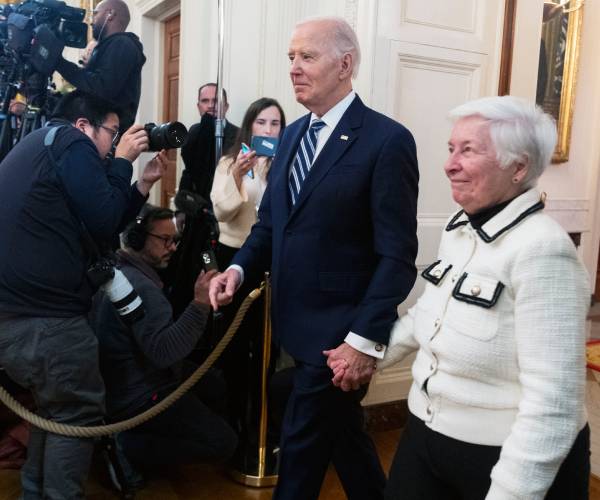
133,142
153,171
201,287
222,288
351,368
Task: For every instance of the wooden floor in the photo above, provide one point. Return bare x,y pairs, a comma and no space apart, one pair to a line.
200,482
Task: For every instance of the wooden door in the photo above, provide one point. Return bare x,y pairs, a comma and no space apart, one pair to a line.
170,101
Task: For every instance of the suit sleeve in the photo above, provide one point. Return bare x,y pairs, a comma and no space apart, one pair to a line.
393,203
255,255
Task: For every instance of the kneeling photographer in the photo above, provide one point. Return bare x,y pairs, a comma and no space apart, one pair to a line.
142,362
59,192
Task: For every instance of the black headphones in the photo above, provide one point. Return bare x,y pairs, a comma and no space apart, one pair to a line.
135,236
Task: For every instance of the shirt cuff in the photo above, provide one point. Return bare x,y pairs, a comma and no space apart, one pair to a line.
365,345
239,270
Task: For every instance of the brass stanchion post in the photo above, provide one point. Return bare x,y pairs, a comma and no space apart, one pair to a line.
265,472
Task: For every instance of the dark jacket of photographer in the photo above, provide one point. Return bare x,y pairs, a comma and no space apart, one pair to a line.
114,73
43,260
140,363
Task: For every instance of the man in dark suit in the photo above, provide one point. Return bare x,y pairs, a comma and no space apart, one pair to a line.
337,226
198,152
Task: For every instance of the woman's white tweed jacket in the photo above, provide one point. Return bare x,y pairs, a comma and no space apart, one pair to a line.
500,334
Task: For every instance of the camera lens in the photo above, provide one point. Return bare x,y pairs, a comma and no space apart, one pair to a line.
166,136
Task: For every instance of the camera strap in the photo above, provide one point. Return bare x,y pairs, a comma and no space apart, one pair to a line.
88,242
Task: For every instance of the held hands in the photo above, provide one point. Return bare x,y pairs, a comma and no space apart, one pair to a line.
152,172
243,163
351,368
133,142
201,287
222,287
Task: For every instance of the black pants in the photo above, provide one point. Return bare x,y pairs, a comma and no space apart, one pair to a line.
187,432
431,466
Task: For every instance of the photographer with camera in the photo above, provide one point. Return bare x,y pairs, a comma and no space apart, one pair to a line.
59,193
114,70
142,362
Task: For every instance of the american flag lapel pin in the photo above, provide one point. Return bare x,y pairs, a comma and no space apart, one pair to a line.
344,137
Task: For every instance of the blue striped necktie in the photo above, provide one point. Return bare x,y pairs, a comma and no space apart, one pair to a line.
304,158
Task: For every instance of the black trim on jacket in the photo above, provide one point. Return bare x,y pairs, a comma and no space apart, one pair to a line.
453,224
478,301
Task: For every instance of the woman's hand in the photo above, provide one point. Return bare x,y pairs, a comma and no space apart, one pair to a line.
241,166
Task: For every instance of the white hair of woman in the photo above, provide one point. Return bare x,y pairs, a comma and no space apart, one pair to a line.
342,36
520,132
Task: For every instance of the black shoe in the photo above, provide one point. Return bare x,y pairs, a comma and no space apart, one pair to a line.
122,475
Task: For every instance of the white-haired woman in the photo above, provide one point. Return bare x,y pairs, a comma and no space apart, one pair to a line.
497,402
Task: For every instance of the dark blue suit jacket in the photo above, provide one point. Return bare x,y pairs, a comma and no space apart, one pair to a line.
342,258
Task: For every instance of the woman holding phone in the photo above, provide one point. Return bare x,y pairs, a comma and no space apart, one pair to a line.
241,178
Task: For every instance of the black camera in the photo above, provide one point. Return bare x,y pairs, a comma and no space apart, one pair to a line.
104,275
166,135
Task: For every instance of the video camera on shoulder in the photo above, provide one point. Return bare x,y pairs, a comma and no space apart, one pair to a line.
40,29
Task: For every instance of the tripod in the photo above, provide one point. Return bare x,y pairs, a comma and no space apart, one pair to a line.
35,115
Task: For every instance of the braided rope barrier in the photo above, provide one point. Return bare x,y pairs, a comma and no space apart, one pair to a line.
104,430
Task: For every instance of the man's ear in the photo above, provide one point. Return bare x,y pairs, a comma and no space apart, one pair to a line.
81,124
347,64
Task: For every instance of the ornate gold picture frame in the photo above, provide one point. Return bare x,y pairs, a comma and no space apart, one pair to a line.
558,62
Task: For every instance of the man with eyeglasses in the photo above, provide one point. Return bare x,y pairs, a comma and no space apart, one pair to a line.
143,362
57,191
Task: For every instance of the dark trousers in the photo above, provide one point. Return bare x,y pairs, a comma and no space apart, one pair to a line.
322,424
431,466
57,359
189,431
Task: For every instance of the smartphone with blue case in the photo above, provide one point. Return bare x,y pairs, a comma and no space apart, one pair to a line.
264,145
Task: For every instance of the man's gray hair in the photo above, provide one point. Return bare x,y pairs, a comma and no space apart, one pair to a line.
343,38
519,130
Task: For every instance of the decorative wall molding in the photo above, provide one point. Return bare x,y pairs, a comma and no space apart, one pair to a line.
412,8
156,8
